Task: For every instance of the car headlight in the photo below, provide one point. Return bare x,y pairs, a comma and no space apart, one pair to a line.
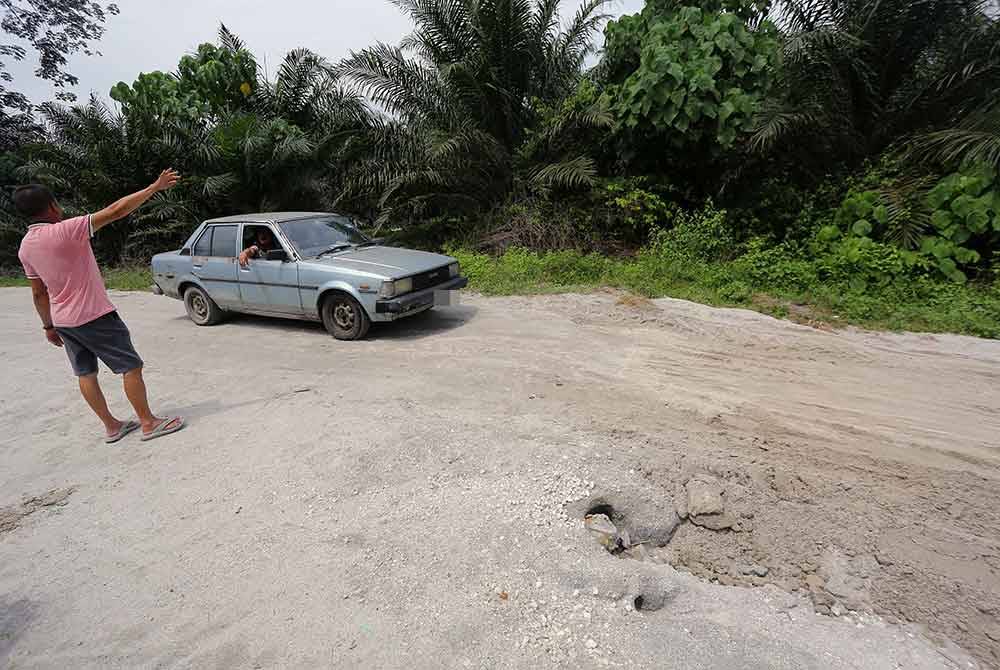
453,270
404,285
390,289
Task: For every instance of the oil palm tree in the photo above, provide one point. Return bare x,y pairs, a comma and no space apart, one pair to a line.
277,147
458,96
860,75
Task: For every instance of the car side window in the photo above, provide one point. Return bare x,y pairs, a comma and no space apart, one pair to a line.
224,242
203,247
250,236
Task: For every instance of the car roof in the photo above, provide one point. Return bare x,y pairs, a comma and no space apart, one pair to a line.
269,217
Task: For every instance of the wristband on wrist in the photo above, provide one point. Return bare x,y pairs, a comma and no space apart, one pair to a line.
48,327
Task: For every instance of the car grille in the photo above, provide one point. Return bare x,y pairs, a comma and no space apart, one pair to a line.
430,278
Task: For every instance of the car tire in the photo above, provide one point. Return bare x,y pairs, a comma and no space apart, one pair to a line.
201,309
344,317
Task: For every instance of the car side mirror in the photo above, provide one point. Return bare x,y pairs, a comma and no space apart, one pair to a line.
276,255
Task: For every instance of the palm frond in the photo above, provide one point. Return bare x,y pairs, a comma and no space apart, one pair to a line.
573,173
908,218
975,139
220,184
229,40
401,86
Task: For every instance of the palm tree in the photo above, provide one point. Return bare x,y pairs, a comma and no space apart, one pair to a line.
277,148
90,157
285,154
458,97
859,75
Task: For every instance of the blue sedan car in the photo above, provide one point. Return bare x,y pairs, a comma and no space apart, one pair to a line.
321,268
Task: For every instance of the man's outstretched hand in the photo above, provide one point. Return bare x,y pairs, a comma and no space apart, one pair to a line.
122,208
166,180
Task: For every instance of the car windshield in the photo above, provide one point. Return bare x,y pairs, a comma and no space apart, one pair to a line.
318,235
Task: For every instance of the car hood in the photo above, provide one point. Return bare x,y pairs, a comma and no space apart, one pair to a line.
392,262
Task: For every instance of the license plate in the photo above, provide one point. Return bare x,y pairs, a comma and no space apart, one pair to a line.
445,298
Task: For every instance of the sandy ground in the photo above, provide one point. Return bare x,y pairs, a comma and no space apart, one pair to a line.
416,500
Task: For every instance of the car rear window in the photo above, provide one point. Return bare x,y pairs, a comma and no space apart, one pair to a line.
224,241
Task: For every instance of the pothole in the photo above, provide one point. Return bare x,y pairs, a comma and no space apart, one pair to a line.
714,540
601,508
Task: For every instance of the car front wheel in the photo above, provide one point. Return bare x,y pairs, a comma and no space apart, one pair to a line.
344,317
200,308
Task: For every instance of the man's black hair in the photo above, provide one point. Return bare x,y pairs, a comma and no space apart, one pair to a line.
33,200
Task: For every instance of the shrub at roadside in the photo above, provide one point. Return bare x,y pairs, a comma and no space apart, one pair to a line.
846,280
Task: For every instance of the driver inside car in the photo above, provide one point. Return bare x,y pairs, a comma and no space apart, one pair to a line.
265,242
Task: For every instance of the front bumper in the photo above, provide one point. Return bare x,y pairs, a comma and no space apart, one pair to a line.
417,300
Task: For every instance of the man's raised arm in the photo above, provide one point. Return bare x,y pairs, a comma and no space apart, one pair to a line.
130,203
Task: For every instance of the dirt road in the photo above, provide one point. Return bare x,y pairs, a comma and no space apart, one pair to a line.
416,500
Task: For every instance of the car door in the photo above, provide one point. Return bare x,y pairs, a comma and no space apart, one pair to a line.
271,287
213,261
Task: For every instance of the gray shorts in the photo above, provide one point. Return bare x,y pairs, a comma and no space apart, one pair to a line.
105,338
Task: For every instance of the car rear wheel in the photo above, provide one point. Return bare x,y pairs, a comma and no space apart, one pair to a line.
344,317
200,308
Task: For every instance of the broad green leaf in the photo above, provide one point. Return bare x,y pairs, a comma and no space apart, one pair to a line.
962,205
967,255
939,195
971,185
941,219
947,266
828,233
881,214
978,220
726,110
861,228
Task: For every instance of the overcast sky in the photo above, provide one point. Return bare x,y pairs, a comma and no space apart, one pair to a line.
153,35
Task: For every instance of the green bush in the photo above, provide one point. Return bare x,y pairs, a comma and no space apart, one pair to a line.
704,235
840,288
702,71
635,208
777,268
964,216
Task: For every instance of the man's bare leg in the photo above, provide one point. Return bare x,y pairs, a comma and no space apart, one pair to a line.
92,393
135,391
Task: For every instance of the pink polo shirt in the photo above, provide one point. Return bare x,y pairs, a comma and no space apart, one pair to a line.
60,255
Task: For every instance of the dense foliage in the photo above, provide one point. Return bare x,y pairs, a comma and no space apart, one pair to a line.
843,152
690,77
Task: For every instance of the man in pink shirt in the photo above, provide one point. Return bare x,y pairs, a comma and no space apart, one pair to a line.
71,300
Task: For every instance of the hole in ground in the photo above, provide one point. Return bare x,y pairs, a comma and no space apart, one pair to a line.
602,508
638,603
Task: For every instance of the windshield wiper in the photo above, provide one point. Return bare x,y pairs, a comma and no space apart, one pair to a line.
335,247
367,243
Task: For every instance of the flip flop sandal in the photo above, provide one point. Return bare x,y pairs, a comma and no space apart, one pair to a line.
162,429
127,427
